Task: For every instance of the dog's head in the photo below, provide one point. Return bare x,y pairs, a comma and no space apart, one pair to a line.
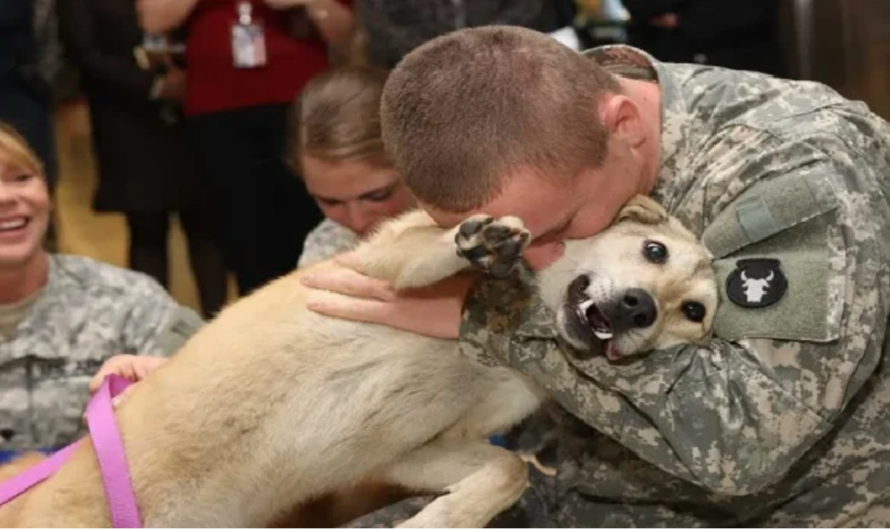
644,283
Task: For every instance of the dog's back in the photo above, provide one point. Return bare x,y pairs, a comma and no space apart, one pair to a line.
269,397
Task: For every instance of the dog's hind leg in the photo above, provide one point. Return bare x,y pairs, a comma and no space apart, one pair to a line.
479,480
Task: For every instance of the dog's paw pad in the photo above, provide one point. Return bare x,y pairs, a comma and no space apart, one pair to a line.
473,225
492,245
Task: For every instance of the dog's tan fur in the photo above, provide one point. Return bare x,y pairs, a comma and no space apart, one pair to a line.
271,405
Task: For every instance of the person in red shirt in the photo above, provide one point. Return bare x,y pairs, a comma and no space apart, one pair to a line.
247,61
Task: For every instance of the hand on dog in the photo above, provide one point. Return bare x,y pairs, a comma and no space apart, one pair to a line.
134,368
346,293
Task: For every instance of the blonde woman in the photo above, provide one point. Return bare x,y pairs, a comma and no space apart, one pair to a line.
62,317
339,152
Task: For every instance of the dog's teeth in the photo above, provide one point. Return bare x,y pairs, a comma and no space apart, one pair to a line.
602,335
585,305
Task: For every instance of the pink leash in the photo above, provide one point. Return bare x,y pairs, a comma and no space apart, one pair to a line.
110,453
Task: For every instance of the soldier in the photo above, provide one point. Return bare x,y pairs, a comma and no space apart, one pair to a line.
62,317
779,419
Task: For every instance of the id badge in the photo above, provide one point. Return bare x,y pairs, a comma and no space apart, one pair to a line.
248,45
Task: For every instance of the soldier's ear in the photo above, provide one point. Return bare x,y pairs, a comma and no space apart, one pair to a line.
642,209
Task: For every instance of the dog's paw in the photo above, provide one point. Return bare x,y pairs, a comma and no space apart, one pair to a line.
494,246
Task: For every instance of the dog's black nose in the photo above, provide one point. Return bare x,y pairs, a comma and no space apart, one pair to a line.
635,309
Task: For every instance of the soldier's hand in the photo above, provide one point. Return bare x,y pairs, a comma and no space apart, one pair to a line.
344,292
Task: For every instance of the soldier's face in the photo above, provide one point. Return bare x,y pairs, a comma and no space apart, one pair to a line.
554,210
24,214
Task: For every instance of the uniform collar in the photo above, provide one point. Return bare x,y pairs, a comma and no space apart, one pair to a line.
44,303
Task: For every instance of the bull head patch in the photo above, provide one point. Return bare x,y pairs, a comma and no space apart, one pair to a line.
756,282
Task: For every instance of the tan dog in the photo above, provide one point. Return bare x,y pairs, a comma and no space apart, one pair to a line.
271,405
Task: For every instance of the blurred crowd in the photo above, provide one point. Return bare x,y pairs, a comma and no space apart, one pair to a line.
191,104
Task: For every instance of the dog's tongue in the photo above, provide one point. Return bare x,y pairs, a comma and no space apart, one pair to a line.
612,353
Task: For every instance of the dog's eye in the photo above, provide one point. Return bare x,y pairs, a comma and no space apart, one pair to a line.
655,252
694,311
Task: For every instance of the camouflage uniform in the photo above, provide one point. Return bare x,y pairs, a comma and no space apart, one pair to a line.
87,312
780,420
326,241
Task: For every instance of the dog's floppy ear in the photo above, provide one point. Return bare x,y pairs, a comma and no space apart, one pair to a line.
642,209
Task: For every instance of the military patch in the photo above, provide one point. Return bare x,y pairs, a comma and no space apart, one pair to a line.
756,282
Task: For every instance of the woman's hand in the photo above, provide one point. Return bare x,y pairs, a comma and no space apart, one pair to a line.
134,368
173,85
344,292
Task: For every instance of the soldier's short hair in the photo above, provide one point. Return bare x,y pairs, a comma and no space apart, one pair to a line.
463,110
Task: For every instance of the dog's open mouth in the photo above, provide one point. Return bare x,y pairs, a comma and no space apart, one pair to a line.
586,321
589,312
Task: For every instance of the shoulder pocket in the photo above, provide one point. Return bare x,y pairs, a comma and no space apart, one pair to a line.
787,223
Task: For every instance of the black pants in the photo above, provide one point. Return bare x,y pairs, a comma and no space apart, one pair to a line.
149,235
264,208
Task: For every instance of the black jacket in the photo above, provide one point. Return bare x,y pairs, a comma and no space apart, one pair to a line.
145,164
395,27
16,42
740,34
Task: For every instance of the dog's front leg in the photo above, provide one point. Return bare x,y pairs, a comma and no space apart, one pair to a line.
479,480
413,251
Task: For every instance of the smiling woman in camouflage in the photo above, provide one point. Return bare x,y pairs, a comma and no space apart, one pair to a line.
62,317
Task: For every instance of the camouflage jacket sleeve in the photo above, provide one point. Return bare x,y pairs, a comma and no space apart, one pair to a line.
326,241
734,414
155,324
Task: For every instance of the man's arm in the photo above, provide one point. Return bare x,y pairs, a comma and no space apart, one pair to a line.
733,415
335,21
159,16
